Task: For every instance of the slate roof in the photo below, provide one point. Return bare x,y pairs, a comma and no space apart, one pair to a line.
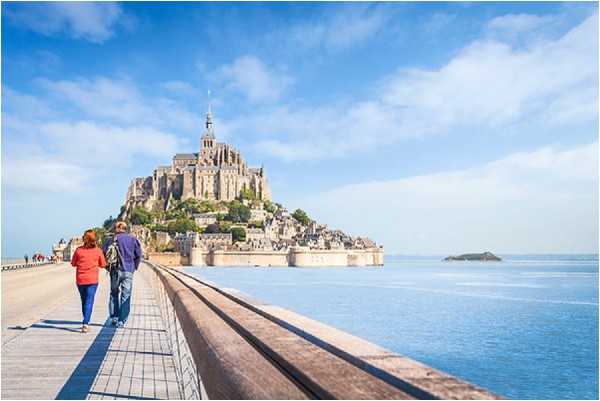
185,156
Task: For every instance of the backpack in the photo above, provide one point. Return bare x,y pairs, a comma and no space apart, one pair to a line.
113,259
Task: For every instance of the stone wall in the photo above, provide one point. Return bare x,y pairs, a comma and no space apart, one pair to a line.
247,258
301,256
296,256
168,258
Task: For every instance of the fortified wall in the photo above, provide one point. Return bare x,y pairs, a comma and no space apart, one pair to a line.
298,256
305,257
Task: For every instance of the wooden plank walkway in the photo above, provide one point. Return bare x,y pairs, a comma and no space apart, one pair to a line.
52,360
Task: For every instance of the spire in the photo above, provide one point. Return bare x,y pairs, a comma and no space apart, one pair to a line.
209,128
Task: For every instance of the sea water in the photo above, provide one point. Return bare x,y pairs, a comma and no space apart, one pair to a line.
524,328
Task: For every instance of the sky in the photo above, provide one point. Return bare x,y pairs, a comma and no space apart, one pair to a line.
432,128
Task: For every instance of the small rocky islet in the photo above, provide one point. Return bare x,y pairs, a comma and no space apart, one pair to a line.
474,257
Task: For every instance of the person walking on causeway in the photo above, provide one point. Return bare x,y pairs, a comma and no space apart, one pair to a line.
87,260
127,256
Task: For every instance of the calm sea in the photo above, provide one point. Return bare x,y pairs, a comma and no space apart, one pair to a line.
524,328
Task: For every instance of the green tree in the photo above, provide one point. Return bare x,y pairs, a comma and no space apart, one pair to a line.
225,227
238,234
247,193
140,216
189,206
108,223
207,206
181,225
301,216
101,234
255,224
175,213
238,212
158,227
269,206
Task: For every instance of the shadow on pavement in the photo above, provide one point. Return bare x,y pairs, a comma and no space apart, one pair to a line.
80,382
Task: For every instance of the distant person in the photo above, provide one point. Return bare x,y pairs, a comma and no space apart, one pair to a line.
121,272
26,257
88,259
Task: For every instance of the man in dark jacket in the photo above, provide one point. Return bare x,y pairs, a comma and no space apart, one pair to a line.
121,277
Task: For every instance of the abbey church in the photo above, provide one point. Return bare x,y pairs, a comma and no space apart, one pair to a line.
217,172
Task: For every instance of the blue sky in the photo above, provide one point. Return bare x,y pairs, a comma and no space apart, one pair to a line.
430,127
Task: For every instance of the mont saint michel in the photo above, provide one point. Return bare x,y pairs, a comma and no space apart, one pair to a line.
211,208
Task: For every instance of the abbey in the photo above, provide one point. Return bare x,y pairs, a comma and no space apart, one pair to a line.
217,172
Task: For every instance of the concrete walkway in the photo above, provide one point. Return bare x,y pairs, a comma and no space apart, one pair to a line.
30,294
52,360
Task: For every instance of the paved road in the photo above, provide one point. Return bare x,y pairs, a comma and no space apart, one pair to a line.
30,294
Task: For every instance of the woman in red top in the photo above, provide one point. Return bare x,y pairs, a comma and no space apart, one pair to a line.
87,259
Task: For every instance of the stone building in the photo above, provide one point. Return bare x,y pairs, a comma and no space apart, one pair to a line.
69,250
185,242
258,214
204,219
58,250
254,234
217,172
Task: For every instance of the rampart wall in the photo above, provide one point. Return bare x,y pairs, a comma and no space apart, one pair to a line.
168,258
296,256
247,258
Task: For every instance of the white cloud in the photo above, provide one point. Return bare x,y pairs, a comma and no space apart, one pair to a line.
178,87
341,30
92,21
101,97
251,77
42,173
488,87
109,144
437,22
540,201
45,148
67,156
517,23
121,101
491,83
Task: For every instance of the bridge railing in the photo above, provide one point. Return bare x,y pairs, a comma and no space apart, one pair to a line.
17,266
188,379
228,347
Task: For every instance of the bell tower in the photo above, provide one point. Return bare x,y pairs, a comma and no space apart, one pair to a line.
208,138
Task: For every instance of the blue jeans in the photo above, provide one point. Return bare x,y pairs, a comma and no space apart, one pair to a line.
87,293
120,294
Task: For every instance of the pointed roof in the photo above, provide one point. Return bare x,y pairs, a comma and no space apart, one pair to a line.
209,128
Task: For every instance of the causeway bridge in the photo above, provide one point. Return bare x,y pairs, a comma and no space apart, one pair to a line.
187,339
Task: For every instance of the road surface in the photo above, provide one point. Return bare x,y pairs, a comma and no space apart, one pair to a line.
30,294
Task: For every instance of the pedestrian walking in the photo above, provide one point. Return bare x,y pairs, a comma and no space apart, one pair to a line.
87,259
124,254
26,257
